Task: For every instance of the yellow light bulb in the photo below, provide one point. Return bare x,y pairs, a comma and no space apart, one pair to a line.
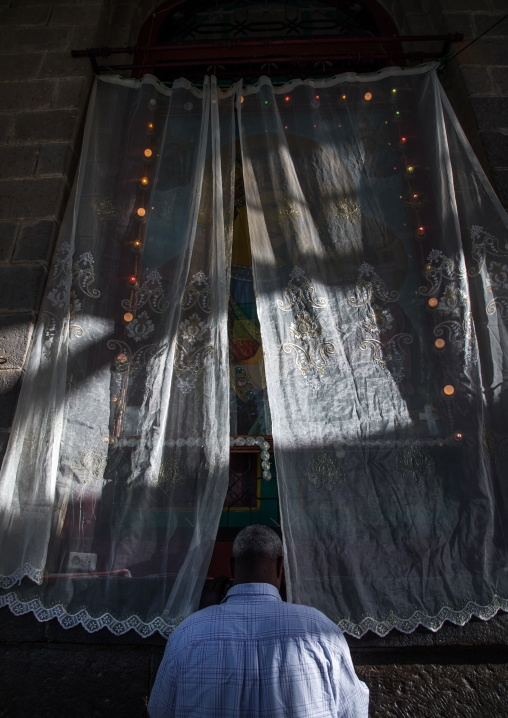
144,181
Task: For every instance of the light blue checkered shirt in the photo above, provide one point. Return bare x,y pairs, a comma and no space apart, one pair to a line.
254,656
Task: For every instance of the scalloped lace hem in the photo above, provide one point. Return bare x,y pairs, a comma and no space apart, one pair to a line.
34,574
434,623
91,624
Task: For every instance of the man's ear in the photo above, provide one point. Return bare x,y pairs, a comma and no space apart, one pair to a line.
280,567
232,566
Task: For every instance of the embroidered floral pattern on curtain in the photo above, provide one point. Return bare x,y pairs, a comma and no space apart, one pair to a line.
379,254
118,465
380,263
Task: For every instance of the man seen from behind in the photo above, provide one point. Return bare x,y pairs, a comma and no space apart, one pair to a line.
255,656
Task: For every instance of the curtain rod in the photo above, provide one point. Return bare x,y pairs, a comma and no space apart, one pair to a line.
229,52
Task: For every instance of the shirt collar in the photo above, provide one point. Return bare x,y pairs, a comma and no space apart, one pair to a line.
252,589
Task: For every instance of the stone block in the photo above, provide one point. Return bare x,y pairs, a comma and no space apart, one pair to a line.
84,36
10,384
85,14
420,24
22,287
8,233
20,67
482,21
46,126
14,40
477,79
6,124
429,691
487,51
121,36
500,78
32,198
38,15
491,112
35,241
27,95
70,93
459,22
125,15
17,160
61,64
496,147
19,629
81,682
56,158
156,658
15,335
501,185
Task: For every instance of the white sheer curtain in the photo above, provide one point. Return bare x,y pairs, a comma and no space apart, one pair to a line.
116,472
380,264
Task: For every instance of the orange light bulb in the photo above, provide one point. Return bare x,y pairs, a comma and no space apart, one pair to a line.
141,212
439,343
433,303
148,153
128,317
368,96
449,390
144,181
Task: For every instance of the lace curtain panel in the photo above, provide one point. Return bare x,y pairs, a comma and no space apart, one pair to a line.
117,467
380,267
381,270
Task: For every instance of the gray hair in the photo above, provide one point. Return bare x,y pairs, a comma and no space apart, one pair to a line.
257,543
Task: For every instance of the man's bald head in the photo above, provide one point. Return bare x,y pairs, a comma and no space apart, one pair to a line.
257,556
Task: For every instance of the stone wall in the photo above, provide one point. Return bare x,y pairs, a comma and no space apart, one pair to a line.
43,94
